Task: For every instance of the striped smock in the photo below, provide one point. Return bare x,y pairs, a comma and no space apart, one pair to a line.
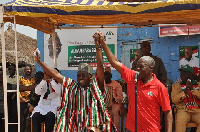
82,107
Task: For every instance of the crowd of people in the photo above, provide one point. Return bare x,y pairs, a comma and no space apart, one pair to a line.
66,105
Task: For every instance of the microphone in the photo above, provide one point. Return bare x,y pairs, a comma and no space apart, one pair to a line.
136,75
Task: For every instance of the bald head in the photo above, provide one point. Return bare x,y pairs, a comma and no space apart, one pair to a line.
146,48
188,53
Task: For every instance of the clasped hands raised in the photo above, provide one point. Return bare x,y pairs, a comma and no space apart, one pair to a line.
98,38
190,88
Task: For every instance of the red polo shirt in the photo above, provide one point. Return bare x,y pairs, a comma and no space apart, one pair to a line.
151,97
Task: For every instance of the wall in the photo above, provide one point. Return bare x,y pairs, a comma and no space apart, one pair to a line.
167,48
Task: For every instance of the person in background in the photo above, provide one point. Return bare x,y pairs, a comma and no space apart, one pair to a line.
159,68
12,77
186,96
50,94
25,80
152,94
138,55
117,96
34,98
11,128
12,84
189,59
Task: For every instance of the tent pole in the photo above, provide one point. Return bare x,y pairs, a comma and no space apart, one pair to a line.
4,70
157,25
188,32
16,61
54,46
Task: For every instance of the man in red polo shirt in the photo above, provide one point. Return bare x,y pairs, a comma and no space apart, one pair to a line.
152,94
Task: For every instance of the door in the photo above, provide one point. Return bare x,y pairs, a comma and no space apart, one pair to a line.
129,48
126,51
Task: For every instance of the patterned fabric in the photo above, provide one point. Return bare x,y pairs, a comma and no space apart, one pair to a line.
82,107
26,82
116,101
48,90
94,12
191,101
117,90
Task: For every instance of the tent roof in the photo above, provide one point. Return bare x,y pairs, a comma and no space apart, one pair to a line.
42,14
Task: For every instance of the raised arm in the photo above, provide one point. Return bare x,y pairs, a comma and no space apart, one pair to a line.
111,58
41,88
51,71
99,57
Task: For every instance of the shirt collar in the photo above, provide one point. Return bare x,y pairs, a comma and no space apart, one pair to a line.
190,60
149,83
30,76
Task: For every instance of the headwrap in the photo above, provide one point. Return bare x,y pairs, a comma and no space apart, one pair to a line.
85,67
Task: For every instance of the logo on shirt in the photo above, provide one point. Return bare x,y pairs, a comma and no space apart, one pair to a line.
150,94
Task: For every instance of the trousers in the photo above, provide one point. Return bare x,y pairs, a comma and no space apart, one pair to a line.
38,118
182,117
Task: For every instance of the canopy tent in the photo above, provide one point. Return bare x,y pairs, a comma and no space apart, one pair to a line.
44,14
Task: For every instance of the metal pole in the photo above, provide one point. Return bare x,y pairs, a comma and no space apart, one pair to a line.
136,74
54,46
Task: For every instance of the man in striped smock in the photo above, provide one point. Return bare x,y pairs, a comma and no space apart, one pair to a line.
82,103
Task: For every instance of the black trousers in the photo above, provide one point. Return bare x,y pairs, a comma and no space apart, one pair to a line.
23,106
38,118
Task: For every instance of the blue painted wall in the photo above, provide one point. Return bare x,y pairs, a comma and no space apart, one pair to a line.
167,48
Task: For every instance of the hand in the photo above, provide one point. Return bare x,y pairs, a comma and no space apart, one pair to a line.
97,130
96,38
188,86
37,55
27,100
31,108
102,37
94,129
22,100
195,92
